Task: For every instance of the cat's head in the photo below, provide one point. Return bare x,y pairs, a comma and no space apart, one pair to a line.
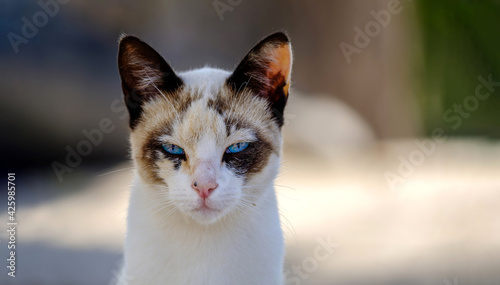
208,140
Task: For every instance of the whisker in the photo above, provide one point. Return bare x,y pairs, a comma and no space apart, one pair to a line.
115,171
292,230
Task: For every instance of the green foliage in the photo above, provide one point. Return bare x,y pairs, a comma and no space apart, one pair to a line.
461,41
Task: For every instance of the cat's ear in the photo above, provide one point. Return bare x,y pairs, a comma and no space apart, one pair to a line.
266,71
144,75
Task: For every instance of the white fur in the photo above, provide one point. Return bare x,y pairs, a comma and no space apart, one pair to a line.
238,240
206,78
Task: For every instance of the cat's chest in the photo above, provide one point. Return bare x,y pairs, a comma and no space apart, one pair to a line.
204,259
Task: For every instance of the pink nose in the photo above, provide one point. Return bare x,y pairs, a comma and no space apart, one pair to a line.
204,189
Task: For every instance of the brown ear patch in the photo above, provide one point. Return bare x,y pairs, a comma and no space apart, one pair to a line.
266,71
280,66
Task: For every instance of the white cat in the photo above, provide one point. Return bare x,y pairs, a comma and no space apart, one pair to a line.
206,146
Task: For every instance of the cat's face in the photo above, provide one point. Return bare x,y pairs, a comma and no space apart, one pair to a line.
208,140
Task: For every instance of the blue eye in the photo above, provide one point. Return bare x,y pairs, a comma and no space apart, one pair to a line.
237,147
172,148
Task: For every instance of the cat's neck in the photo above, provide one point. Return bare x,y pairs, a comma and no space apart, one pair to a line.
247,243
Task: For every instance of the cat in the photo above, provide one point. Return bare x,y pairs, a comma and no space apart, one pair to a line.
206,146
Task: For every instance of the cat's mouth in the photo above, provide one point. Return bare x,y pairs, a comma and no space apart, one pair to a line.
205,208
208,211
206,214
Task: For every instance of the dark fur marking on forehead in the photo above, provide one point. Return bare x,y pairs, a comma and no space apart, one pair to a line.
236,123
180,104
219,104
223,107
228,128
183,102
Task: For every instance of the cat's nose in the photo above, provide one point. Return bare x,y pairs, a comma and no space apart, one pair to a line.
204,188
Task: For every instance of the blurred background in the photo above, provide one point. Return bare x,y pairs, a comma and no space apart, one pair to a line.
392,148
